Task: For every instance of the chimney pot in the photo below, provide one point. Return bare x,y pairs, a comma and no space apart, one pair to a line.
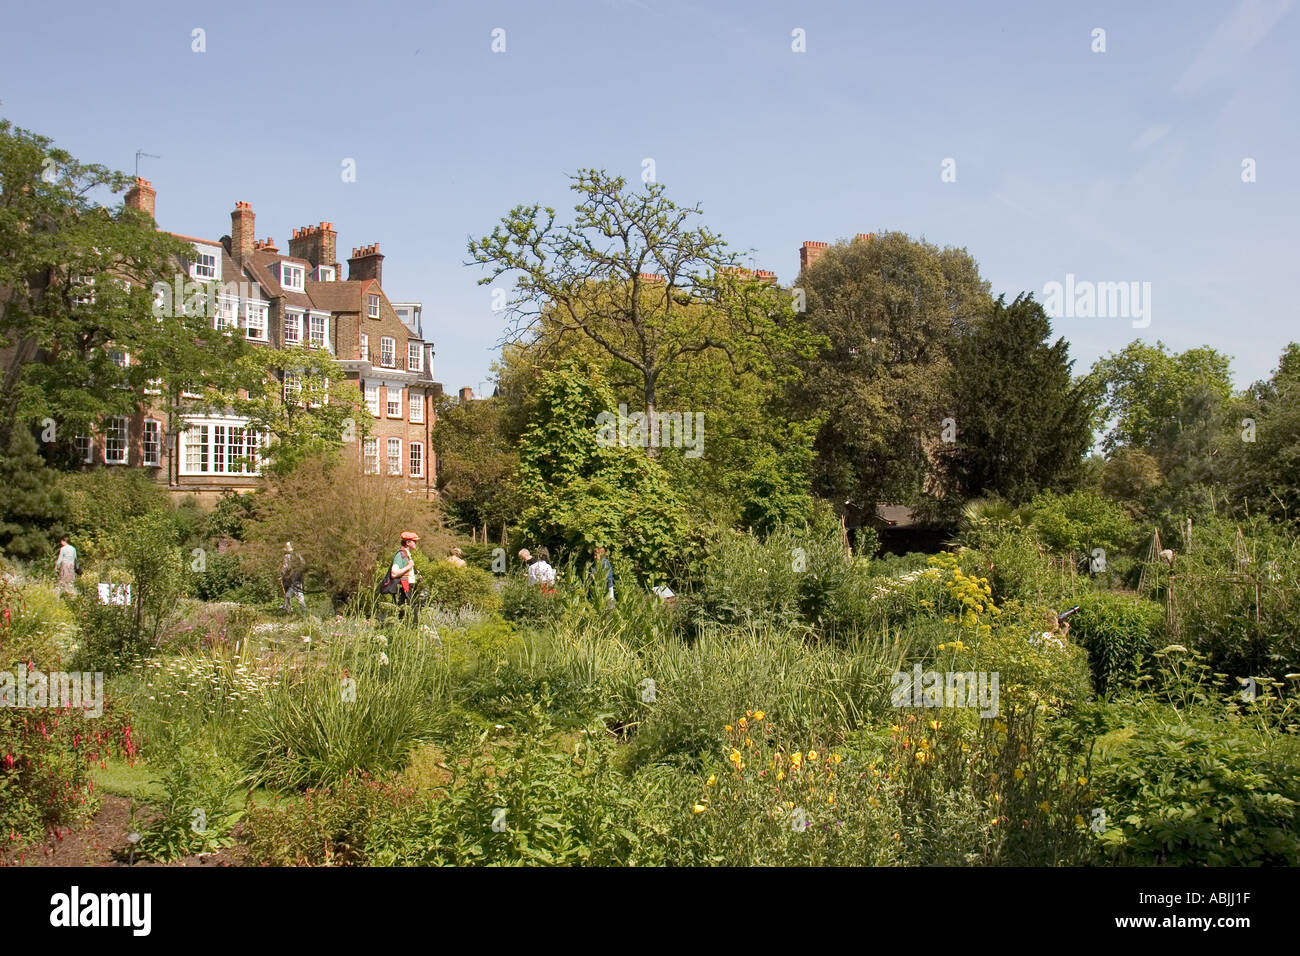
142,196
242,222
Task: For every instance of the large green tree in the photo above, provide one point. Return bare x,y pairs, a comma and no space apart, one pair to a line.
1263,442
31,506
301,398
76,297
632,280
1022,423
476,460
891,309
579,492
1150,395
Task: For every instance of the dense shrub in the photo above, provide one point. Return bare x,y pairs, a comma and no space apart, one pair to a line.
1235,601
1116,629
224,577
1082,523
523,602
35,625
44,756
340,520
448,586
357,703
193,815
102,502
1190,780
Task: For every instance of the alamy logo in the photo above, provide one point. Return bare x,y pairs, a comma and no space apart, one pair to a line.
34,690
1098,300
199,298
652,430
103,909
978,691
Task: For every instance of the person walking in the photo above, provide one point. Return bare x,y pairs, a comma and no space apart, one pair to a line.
402,569
292,570
66,564
456,558
605,567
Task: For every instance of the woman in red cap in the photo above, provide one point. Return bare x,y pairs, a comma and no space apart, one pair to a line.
403,568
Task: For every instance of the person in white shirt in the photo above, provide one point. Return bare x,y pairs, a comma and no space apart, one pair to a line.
65,566
541,572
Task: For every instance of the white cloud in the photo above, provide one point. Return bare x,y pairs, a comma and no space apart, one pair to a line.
1241,32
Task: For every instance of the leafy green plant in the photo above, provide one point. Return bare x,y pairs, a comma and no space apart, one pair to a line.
195,814
1116,630
1191,780
356,703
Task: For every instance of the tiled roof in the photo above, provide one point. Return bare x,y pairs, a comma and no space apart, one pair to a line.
260,266
344,296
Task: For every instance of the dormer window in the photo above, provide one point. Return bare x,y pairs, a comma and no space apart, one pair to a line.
324,273
204,266
414,356
372,306
291,277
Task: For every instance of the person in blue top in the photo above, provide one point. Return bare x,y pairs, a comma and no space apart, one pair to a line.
604,566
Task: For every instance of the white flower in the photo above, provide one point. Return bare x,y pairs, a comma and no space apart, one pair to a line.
306,638
381,640
383,658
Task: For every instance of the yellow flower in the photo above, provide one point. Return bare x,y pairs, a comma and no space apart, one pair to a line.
1019,774
1078,819
1044,806
699,808
711,781
934,725
748,742
1083,781
749,713
727,728
735,757
836,758
812,755
831,800
795,758
780,775
758,715
743,723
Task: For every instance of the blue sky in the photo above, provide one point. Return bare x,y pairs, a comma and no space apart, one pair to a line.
1124,165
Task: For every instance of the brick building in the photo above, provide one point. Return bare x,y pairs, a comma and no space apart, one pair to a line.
297,298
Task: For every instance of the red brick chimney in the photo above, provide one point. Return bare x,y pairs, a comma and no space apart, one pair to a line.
265,245
810,252
142,196
865,236
765,276
367,263
317,244
241,232
466,394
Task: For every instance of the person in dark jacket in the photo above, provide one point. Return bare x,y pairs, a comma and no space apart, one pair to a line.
606,568
292,570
